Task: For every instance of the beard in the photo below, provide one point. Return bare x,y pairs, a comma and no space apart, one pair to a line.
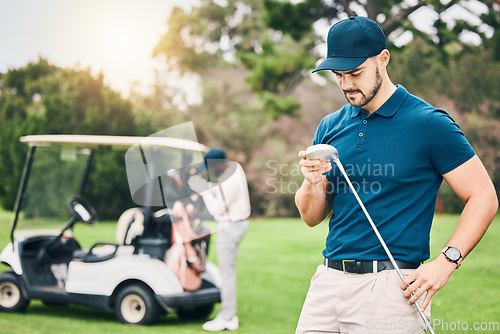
366,98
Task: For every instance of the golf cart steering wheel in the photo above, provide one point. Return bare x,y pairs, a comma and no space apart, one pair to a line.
82,210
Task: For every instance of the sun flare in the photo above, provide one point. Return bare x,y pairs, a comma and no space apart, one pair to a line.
120,44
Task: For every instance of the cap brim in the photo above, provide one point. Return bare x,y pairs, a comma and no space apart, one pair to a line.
339,64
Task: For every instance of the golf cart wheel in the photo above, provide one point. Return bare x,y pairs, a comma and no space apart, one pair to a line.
11,294
196,313
135,304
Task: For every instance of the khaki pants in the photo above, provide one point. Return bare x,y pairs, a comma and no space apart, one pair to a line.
358,304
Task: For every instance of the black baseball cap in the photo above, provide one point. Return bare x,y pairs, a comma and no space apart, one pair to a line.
351,42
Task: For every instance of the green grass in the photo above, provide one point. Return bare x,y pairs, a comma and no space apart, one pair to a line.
472,293
276,261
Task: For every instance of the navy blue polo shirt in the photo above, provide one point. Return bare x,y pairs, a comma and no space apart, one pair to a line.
395,158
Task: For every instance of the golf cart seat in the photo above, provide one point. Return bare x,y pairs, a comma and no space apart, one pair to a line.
129,231
151,237
130,225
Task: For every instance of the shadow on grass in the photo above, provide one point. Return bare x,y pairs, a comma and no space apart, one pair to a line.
83,313
69,311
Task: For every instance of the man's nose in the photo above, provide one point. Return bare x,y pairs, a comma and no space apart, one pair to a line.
346,82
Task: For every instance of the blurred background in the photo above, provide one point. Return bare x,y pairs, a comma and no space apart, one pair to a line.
240,70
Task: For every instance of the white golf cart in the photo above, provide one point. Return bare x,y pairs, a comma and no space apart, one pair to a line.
132,274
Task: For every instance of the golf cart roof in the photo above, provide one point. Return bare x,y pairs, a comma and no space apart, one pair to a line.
115,142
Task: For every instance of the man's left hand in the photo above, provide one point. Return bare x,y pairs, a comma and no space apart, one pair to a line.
428,278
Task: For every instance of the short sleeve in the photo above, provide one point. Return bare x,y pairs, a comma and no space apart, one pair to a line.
449,147
320,133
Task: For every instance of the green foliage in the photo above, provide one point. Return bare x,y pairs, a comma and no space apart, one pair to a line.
107,187
16,79
276,42
231,117
43,99
278,67
468,87
212,35
492,18
296,19
276,106
193,40
12,156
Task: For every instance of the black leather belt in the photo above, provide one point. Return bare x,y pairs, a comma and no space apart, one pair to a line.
367,267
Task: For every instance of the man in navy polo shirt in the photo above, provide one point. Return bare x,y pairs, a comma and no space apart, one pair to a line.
396,149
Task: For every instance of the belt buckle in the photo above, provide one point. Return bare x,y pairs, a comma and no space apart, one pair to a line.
343,267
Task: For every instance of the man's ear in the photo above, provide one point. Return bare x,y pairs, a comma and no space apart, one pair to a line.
384,57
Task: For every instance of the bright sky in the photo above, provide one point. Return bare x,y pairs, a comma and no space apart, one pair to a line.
115,37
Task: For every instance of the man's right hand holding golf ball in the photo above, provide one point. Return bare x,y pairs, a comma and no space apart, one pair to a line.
312,198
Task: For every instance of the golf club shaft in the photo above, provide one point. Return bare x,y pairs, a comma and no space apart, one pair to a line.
382,242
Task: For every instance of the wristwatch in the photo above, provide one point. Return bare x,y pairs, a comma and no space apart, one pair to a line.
452,254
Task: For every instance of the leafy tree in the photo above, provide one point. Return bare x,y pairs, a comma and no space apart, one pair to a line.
211,34
392,15
43,99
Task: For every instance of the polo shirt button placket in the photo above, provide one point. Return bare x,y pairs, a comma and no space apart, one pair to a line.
361,134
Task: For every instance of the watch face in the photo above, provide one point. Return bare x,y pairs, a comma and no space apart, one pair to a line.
453,254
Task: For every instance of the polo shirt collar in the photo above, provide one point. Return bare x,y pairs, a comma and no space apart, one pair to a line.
390,107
